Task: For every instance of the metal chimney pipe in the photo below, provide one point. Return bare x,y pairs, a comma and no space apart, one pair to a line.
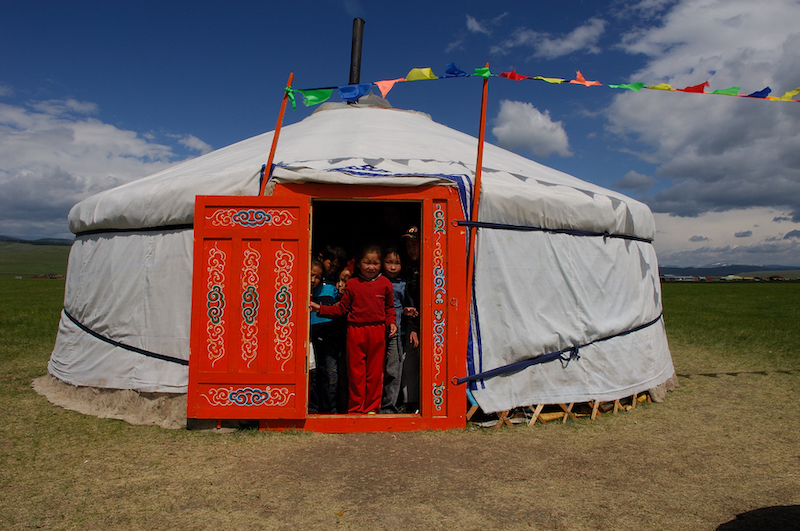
355,51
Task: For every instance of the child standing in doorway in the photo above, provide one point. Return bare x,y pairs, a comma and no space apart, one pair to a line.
393,366
342,392
333,260
325,342
410,378
368,305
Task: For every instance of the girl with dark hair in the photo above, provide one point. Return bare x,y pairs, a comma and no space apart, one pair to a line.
368,305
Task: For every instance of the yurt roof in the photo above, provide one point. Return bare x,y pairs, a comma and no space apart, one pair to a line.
369,143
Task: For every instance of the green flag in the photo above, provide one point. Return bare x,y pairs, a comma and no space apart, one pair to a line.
733,91
484,72
636,87
290,95
315,96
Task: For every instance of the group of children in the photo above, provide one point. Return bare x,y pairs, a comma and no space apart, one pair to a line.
379,345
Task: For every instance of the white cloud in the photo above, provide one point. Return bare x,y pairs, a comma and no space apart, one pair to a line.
485,27
521,126
6,90
457,44
195,144
766,244
67,107
720,153
53,154
582,38
649,7
476,27
635,182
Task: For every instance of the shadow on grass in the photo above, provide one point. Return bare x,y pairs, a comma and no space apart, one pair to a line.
778,518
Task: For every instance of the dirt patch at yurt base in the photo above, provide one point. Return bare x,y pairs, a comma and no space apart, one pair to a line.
167,411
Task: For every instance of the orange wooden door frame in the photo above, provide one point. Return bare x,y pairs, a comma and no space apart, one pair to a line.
249,308
444,309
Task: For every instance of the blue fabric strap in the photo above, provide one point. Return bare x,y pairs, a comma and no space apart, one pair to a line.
143,352
565,355
572,232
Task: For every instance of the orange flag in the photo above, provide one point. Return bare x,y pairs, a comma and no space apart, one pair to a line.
386,86
579,80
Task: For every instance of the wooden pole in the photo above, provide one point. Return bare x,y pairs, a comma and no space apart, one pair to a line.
268,167
476,191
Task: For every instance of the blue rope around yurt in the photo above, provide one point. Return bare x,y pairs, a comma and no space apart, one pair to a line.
565,355
141,351
572,232
160,228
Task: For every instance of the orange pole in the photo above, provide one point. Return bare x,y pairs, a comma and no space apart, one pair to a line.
476,190
268,168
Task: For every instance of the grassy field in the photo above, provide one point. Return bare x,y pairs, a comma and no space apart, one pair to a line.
724,443
785,273
737,326
25,259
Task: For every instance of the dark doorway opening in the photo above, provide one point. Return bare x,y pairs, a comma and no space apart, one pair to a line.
352,225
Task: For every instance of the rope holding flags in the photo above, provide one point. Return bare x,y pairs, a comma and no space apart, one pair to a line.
351,93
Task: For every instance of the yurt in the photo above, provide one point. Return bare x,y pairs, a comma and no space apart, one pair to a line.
564,305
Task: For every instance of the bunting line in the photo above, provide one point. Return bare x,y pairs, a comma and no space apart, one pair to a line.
351,93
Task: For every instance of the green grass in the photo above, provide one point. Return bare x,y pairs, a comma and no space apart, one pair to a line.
25,259
785,273
735,326
29,313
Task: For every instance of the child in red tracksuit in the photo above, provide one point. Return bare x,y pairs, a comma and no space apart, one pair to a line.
368,304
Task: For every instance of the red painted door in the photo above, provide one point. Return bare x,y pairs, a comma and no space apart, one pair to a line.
249,308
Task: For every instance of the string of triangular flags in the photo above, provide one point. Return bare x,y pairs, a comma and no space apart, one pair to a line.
351,93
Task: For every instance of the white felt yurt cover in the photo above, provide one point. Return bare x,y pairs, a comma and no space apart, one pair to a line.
130,267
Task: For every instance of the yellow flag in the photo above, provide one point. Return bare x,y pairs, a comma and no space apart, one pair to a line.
790,94
419,74
550,79
661,86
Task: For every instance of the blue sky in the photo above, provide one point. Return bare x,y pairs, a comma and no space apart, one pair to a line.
93,95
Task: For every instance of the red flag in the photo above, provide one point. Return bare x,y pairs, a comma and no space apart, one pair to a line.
513,76
700,89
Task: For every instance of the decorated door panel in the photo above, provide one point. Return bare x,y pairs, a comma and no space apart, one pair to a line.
249,318
443,320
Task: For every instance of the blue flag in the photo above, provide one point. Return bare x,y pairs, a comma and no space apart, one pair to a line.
454,71
353,92
763,93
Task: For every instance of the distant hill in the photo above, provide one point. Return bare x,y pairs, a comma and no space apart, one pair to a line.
721,271
25,259
41,241
53,241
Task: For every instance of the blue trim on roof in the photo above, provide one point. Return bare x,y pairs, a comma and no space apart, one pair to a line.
462,181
